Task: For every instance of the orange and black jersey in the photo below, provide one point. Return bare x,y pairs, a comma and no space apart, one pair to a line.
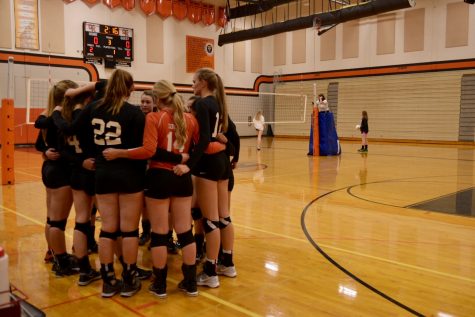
209,120
160,134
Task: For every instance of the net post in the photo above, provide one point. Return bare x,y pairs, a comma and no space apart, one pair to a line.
10,90
7,136
316,134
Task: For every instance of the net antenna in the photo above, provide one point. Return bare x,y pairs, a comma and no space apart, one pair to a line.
10,80
276,78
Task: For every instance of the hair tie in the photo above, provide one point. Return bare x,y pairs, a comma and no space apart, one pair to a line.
173,93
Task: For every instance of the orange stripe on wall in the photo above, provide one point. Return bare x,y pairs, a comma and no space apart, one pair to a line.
386,70
51,60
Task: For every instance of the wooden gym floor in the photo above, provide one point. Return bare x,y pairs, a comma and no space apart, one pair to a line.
349,235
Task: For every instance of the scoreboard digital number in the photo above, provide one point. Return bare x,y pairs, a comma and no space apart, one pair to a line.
112,43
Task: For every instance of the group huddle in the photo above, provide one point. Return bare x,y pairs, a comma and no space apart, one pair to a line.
172,166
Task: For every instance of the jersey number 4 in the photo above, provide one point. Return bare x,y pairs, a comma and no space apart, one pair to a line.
109,137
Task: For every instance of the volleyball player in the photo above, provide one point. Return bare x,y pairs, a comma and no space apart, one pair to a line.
77,150
211,170
56,176
79,124
173,130
233,144
147,104
119,183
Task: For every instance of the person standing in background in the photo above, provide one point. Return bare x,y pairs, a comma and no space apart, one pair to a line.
259,123
364,132
322,103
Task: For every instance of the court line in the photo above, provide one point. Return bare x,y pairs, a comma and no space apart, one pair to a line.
223,302
29,218
344,270
204,294
25,173
414,267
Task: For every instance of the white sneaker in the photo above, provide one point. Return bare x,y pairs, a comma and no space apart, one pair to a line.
229,271
204,280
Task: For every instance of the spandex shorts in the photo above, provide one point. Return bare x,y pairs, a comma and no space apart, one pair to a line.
56,174
162,183
231,180
214,167
83,179
125,179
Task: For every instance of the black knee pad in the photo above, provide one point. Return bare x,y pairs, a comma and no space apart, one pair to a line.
130,234
82,227
109,235
224,222
60,224
196,213
158,239
210,225
185,238
48,221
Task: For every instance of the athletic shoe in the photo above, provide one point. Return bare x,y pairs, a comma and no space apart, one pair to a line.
144,238
73,263
111,287
143,274
66,266
130,286
88,277
158,290
204,280
188,288
229,271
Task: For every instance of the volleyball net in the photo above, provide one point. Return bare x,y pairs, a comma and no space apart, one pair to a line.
278,108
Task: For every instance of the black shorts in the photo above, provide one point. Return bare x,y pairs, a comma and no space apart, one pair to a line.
56,174
214,167
161,184
231,180
83,179
122,178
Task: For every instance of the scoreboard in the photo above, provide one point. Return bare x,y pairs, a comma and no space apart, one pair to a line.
112,43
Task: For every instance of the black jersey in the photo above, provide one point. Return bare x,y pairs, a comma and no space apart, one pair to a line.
364,126
121,131
78,138
55,173
234,143
210,123
48,132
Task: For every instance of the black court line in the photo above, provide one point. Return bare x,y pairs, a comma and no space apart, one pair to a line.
341,268
349,188
439,197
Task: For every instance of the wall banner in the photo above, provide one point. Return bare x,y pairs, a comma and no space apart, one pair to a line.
199,53
26,24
